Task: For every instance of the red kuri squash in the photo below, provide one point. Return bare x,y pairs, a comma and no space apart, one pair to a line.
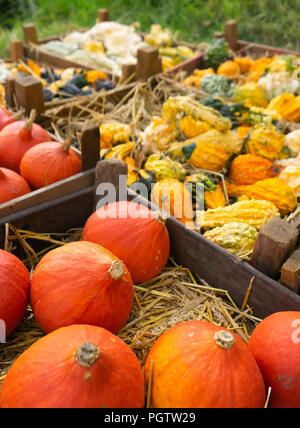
14,288
81,283
17,138
200,365
79,366
12,185
7,117
137,235
48,163
275,344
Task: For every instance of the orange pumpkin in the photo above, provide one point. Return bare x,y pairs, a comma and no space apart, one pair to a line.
14,288
18,137
81,283
275,344
75,367
200,365
12,185
49,163
135,234
249,169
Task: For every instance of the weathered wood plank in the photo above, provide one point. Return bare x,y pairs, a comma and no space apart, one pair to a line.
275,243
290,272
34,199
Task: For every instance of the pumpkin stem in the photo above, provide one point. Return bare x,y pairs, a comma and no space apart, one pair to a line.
116,270
161,217
224,339
29,122
67,144
87,354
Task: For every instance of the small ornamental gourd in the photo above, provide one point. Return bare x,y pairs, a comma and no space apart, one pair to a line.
248,169
81,283
203,185
237,238
163,167
175,200
200,365
265,141
293,142
229,69
192,128
48,163
272,189
245,63
254,213
275,345
114,133
12,185
14,288
288,106
250,94
17,138
137,235
80,366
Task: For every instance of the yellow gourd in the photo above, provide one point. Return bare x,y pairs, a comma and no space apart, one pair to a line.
272,190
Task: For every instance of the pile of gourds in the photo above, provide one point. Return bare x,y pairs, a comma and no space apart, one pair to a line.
265,83
221,169
82,294
109,45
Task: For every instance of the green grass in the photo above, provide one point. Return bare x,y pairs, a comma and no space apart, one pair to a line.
264,21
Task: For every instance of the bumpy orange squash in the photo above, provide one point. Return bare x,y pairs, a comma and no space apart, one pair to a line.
272,190
266,141
248,169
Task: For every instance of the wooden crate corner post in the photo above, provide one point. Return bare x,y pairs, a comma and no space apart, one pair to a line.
275,243
16,50
290,272
231,34
30,34
108,172
30,94
103,15
148,63
10,90
90,146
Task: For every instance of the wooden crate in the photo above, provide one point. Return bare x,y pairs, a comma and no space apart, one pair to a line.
239,47
32,50
189,248
90,154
